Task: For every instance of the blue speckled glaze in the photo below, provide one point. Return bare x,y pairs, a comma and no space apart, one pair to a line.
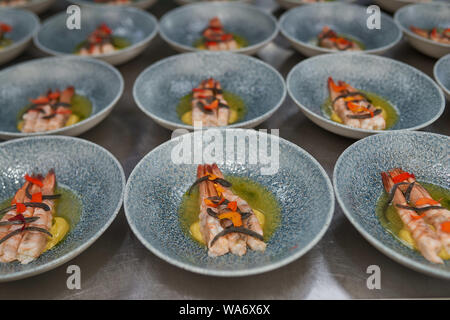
96,80
426,16
184,25
303,24
159,88
417,98
85,168
155,188
358,186
24,25
441,73
143,4
136,25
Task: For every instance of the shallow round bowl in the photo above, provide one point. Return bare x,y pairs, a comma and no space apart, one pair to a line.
358,186
302,25
394,5
415,96
155,188
24,25
101,83
36,6
441,73
158,89
183,26
426,16
137,26
86,169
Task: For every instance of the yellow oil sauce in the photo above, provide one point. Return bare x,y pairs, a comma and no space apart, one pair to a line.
81,108
5,43
389,113
67,215
237,106
261,200
240,41
391,221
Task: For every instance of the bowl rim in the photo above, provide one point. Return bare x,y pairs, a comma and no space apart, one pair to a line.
435,70
98,8
363,56
215,4
62,130
391,253
231,273
299,42
239,124
412,34
93,4
77,251
37,25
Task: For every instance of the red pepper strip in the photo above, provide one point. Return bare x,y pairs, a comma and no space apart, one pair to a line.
402,176
20,207
235,217
357,108
445,226
226,37
232,205
423,201
105,28
417,217
42,100
18,217
64,111
210,203
211,43
53,95
434,32
5,27
212,106
198,90
37,197
34,181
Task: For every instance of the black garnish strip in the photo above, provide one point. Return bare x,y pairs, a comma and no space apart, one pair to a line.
422,209
351,94
408,191
18,231
394,188
204,178
14,222
364,115
222,182
44,197
243,230
27,204
212,213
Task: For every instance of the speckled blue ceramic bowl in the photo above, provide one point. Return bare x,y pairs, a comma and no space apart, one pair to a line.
416,97
156,186
441,73
358,186
88,170
36,6
137,26
287,4
183,2
94,79
24,25
302,25
425,16
394,5
183,26
142,4
159,88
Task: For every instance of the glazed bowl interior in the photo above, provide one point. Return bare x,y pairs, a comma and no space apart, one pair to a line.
96,80
89,171
158,89
415,96
358,185
184,26
303,25
425,16
442,73
156,186
24,25
132,24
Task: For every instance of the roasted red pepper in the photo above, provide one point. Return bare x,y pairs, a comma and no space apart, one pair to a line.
34,181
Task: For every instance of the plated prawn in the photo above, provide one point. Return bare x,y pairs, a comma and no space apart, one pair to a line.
329,38
441,36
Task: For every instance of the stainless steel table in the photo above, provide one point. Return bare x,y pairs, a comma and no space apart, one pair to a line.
118,266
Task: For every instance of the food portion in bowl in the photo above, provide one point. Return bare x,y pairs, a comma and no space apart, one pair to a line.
54,110
358,109
36,219
416,213
4,39
13,3
215,38
228,215
210,106
330,39
435,34
101,41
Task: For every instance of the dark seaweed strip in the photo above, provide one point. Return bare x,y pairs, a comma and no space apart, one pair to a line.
37,205
243,230
364,115
14,222
220,181
197,182
394,188
7,209
223,182
46,197
423,209
408,191
18,231
223,105
212,213
351,94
